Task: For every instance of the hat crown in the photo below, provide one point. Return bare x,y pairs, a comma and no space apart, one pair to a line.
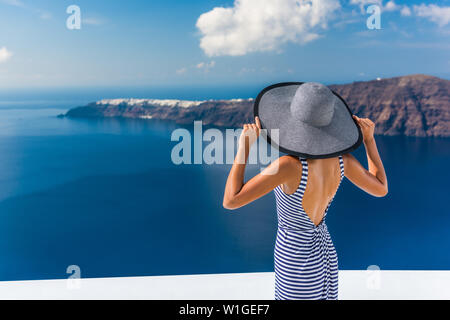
313,103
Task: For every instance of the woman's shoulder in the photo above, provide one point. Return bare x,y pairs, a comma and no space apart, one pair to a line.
349,159
289,161
283,166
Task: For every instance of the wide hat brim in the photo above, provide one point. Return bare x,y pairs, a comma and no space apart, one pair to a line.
300,139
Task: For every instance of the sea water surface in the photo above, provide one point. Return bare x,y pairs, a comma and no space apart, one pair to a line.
104,195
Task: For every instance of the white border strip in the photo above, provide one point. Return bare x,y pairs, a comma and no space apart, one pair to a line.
254,286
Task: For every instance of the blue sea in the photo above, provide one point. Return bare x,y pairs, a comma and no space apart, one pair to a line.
103,194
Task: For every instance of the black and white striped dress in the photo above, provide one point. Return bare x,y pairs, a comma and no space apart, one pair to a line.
306,264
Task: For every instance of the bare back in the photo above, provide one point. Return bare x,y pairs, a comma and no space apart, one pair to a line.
323,179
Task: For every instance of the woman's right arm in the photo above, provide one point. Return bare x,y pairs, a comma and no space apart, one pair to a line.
374,180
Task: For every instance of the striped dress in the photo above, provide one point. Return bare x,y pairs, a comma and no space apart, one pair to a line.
306,264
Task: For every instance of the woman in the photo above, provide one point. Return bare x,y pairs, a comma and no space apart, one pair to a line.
317,131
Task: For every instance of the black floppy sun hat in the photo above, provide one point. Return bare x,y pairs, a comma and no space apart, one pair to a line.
312,120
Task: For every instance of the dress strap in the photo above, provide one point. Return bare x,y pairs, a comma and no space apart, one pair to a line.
304,179
341,165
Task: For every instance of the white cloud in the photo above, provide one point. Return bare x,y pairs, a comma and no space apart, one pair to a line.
345,22
262,25
246,70
391,6
206,65
363,3
5,54
439,15
203,66
181,71
16,3
406,11
44,15
92,21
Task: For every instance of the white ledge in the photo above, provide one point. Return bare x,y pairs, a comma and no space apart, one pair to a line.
252,286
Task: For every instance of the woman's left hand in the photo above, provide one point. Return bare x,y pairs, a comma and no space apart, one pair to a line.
250,133
367,128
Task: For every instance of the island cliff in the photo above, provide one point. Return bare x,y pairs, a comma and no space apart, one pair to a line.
415,105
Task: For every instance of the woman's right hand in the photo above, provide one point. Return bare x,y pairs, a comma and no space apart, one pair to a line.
367,128
250,133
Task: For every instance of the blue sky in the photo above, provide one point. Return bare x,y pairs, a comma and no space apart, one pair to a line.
203,43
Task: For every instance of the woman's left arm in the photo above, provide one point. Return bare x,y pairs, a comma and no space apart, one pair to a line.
237,193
